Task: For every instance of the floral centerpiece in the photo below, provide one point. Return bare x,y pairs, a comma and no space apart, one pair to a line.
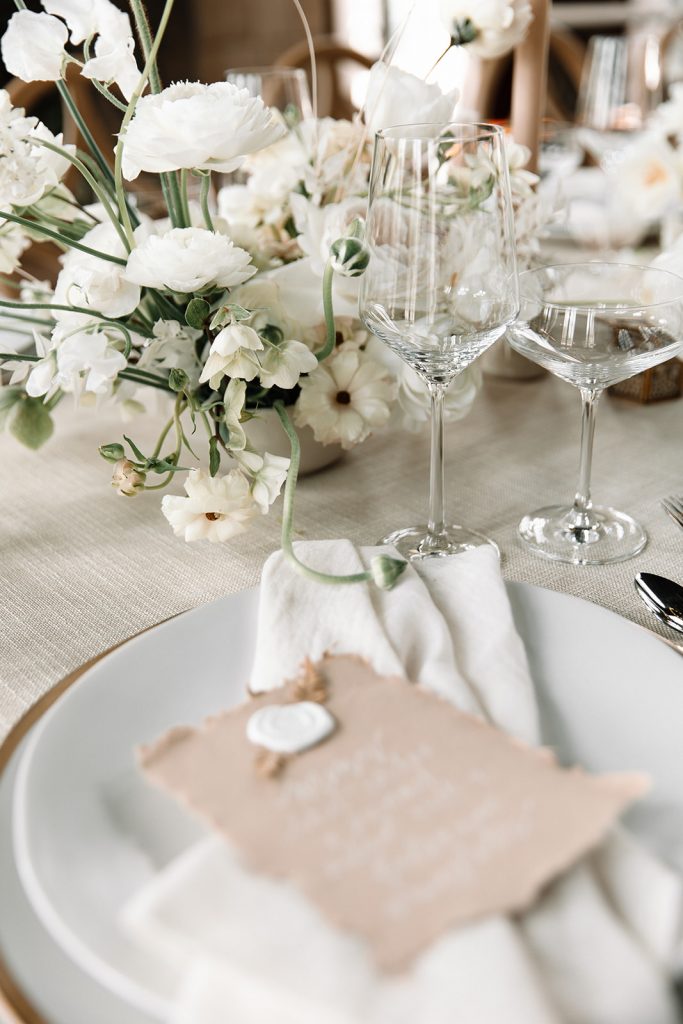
227,307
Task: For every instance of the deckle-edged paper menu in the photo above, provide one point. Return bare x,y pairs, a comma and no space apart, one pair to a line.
411,818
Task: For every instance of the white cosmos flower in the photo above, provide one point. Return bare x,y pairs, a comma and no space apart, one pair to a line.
232,355
283,364
268,473
27,169
193,125
348,395
397,97
33,46
215,509
95,283
189,260
489,28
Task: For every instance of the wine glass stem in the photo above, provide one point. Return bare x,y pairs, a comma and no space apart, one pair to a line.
436,527
582,500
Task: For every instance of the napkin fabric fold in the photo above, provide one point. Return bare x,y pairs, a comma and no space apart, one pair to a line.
594,950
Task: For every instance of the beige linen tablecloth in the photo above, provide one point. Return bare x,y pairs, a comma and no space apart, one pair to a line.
82,569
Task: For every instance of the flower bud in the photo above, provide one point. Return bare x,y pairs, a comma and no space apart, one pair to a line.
112,452
349,256
462,32
385,570
127,479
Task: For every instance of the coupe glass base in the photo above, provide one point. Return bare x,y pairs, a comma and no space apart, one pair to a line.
415,542
550,532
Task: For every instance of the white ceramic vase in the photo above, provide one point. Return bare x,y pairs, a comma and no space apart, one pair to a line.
265,433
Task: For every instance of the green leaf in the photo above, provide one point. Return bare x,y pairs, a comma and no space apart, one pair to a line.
8,399
31,423
197,312
214,456
134,448
112,452
238,312
178,379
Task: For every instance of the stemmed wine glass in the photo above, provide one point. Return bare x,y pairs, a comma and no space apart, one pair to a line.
593,325
285,89
441,283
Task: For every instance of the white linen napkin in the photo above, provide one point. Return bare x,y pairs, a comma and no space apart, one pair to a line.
593,951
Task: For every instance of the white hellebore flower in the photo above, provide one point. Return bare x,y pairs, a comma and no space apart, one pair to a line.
215,509
212,127
94,283
189,260
397,97
33,46
348,396
489,28
283,364
232,355
268,473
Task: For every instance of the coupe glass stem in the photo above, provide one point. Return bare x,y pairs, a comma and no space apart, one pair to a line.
582,510
436,527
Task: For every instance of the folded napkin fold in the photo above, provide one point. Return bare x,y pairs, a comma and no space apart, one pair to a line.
248,950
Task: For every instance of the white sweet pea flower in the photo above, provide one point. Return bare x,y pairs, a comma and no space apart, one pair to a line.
489,28
81,16
33,46
189,260
95,283
173,347
232,355
397,97
233,403
282,364
81,361
189,125
27,169
346,397
215,509
268,473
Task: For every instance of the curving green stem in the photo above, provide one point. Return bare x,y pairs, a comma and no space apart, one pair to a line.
331,331
204,200
68,243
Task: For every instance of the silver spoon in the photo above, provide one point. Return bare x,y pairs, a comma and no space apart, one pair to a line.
663,597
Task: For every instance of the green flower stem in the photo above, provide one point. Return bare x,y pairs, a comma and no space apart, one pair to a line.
288,511
9,304
32,320
130,375
92,181
162,437
64,240
204,200
331,336
19,357
150,63
185,206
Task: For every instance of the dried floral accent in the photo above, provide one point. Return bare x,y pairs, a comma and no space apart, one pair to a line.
268,764
310,684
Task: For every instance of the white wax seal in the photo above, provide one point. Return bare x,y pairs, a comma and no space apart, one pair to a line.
290,728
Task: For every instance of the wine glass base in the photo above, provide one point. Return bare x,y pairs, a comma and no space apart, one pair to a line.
550,532
415,542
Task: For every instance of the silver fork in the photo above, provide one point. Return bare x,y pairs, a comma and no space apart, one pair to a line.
673,507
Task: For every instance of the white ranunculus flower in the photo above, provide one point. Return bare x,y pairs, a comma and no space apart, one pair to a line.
94,283
189,260
489,28
215,509
268,473
283,364
396,97
33,46
348,395
648,179
212,127
13,242
232,355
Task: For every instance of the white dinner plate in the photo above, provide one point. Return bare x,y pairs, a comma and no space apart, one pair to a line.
88,832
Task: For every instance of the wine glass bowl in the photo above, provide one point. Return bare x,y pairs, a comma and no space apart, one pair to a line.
593,325
441,283
281,88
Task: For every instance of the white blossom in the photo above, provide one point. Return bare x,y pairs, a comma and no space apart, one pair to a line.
347,396
489,28
233,403
396,97
268,473
189,260
13,242
33,46
28,170
193,125
172,347
215,509
648,179
282,364
80,361
232,354
95,283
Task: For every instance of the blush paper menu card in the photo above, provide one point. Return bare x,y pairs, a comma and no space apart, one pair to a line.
409,818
